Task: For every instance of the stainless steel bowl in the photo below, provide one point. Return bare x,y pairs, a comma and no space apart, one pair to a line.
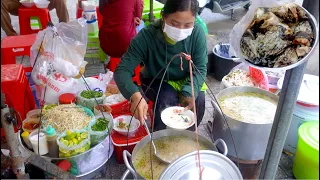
315,28
83,157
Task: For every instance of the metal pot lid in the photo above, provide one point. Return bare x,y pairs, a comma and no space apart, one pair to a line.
215,166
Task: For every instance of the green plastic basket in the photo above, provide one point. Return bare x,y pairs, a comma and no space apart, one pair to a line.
306,163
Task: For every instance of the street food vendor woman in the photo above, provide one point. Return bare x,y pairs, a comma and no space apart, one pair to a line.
155,45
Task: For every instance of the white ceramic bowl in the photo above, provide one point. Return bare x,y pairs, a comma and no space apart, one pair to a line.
42,4
135,124
27,4
168,117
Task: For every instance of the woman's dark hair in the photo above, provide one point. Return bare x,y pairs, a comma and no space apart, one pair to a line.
173,6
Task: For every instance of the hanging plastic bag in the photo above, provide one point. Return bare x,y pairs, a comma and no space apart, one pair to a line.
239,29
72,143
59,48
100,127
97,156
114,99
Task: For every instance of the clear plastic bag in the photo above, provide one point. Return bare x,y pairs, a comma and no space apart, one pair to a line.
59,48
114,99
89,103
239,29
97,156
98,136
72,146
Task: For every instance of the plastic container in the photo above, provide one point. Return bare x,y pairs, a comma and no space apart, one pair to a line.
90,15
120,142
88,5
34,113
67,98
222,65
25,136
43,145
306,163
89,103
98,136
52,142
273,88
104,109
67,150
306,109
92,27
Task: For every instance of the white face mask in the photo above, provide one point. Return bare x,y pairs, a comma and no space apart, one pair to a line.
176,34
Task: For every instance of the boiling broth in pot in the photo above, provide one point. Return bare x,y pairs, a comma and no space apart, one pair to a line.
249,107
170,148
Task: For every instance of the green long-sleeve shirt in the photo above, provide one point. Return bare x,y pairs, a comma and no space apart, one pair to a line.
150,47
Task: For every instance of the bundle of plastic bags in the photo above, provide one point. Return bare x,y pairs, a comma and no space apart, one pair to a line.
59,48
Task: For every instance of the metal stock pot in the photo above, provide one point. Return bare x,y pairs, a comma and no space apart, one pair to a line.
249,139
128,158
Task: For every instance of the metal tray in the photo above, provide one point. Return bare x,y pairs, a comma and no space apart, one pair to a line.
80,157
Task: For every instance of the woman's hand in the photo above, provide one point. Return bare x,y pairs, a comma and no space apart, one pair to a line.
141,108
137,21
187,103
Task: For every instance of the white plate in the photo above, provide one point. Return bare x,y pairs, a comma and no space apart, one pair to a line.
174,121
135,124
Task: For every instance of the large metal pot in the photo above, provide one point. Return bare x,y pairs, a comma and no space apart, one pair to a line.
128,158
250,140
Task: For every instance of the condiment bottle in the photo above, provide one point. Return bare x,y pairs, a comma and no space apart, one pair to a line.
67,98
39,138
25,136
52,142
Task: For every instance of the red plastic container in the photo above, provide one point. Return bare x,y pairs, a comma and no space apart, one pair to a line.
67,98
120,142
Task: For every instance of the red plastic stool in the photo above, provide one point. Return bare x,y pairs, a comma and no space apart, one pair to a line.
112,65
99,16
13,46
14,85
25,15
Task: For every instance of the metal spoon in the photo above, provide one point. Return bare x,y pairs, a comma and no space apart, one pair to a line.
154,147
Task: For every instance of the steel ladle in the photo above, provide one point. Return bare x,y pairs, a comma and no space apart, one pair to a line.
154,146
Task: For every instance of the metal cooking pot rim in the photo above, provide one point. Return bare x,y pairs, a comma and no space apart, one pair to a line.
261,91
127,157
214,164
